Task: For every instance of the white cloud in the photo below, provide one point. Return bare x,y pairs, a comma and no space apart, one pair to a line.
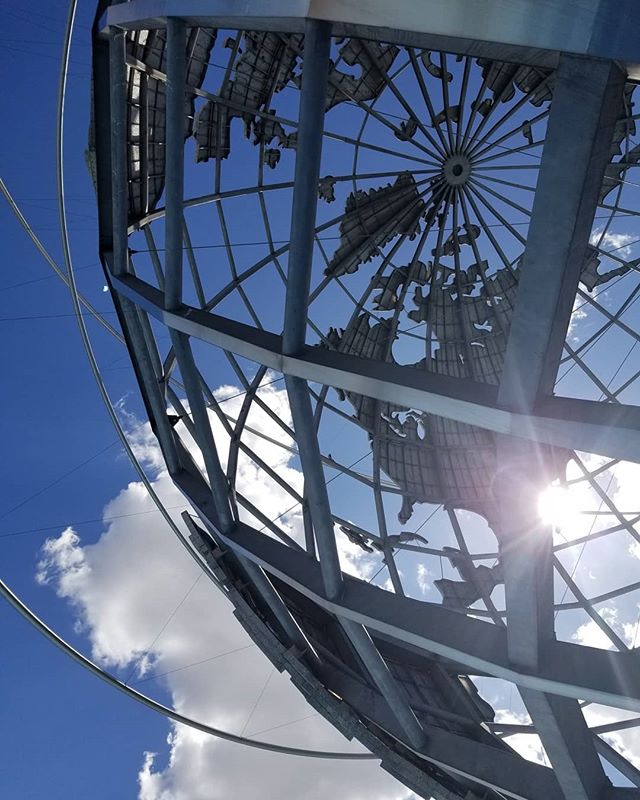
592,635
527,745
578,313
625,486
124,590
619,242
423,578
626,742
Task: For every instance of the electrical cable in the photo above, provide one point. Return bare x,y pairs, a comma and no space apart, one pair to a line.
149,702
31,317
43,278
286,724
149,648
6,592
4,589
74,524
56,481
258,699
157,675
75,297
47,257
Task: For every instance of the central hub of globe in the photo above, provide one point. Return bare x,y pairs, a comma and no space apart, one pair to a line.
456,169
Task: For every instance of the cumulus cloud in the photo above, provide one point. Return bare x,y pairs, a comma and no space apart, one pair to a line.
620,243
578,314
626,742
527,745
424,578
592,635
148,610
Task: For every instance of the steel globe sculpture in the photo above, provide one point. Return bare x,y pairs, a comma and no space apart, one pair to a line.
420,219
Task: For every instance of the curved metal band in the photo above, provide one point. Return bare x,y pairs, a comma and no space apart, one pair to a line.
517,31
149,702
569,670
602,428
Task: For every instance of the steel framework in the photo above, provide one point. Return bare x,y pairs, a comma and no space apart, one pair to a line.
481,154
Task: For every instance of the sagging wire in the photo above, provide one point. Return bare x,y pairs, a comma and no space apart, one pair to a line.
149,702
6,592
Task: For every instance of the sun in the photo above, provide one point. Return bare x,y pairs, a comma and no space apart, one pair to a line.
557,507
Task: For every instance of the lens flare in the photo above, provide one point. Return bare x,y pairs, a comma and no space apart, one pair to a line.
557,507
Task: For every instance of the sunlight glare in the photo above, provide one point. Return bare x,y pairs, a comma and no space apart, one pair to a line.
557,507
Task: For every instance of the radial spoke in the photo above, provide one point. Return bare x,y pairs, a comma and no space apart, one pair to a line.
507,200
516,234
509,166
410,111
476,254
475,106
462,101
445,99
369,109
519,129
435,281
487,229
470,364
420,154
503,152
513,185
507,115
327,280
443,147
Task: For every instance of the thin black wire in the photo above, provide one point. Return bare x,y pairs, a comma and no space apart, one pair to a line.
580,354
258,699
246,391
395,550
13,599
584,544
622,363
163,628
134,251
78,314
44,278
334,476
64,276
285,724
446,229
28,531
74,524
338,474
49,316
57,480
192,664
115,516
635,635
159,708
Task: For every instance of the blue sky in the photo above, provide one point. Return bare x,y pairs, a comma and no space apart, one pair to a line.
64,734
